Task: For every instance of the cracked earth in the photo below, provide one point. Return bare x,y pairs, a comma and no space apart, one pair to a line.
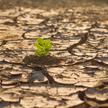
73,75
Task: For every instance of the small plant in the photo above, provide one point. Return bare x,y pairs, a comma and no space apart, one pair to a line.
31,64
88,49
42,46
105,46
105,87
103,73
0,90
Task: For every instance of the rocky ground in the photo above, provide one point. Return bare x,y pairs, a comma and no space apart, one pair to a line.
73,75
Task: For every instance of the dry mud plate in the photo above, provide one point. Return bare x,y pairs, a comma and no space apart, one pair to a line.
73,75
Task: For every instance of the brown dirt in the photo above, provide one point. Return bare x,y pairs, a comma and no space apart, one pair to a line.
44,60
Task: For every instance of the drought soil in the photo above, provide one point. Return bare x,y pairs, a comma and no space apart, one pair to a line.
74,74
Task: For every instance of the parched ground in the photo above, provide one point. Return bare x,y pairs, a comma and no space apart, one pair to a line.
74,74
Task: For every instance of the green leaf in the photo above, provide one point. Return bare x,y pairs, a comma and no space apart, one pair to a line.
40,41
48,47
31,64
39,47
105,87
46,52
47,42
38,53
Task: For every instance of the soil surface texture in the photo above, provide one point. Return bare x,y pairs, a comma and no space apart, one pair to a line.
75,72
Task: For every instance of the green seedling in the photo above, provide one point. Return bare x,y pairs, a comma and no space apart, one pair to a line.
0,90
104,74
88,49
42,46
31,64
105,46
21,23
105,87
89,63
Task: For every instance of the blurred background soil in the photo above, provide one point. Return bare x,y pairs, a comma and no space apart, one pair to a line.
50,4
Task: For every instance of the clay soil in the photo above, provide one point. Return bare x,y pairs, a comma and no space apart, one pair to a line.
75,72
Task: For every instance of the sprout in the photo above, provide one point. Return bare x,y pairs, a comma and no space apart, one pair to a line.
42,45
